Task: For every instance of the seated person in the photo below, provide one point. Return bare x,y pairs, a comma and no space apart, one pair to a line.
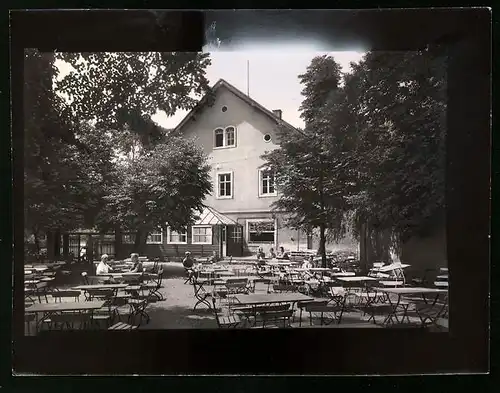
103,267
308,263
282,254
260,254
213,258
188,261
137,267
272,254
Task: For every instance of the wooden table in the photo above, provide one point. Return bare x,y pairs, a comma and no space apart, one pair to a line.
255,299
343,274
64,306
412,291
101,286
49,309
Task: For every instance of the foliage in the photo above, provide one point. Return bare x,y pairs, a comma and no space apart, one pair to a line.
162,187
312,171
396,108
47,135
75,127
115,88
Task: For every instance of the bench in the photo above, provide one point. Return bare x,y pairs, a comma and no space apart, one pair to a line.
122,326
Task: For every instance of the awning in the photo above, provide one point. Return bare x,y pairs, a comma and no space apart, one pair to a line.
210,216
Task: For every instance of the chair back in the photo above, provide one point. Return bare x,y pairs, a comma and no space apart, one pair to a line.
276,316
237,286
159,278
85,278
58,295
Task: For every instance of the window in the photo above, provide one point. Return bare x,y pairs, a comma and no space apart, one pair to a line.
230,136
261,231
225,185
224,108
155,237
267,182
225,137
177,237
202,235
219,137
267,138
128,238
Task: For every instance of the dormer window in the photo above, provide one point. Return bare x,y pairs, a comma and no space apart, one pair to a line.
225,137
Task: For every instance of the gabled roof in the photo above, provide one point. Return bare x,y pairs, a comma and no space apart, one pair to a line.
210,216
241,95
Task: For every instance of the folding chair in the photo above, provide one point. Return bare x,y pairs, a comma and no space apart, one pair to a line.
273,316
155,286
69,318
201,295
303,304
328,312
138,310
58,295
230,321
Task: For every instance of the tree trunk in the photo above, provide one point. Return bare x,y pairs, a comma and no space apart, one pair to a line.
37,241
90,253
140,242
322,244
57,244
363,249
49,246
118,243
66,246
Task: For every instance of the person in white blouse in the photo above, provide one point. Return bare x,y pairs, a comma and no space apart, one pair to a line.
103,267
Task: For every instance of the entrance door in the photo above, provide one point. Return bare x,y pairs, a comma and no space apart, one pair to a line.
234,240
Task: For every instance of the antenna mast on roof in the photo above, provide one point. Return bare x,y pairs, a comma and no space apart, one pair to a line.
248,78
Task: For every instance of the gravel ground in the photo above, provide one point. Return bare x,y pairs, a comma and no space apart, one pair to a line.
176,311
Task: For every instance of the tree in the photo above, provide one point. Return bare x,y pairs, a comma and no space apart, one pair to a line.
46,137
395,106
162,187
311,168
75,127
114,88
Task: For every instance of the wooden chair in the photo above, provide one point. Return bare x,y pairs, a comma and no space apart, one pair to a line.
329,313
271,317
201,295
122,326
138,310
69,319
58,295
302,305
155,286
231,321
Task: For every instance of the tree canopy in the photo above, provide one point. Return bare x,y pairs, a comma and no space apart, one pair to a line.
77,125
373,147
112,88
163,187
311,169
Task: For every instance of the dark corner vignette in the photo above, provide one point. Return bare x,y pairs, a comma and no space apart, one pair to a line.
462,349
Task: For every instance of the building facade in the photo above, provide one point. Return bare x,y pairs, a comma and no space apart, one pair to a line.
235,131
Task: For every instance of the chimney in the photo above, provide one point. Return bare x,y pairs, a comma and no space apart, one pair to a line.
277,113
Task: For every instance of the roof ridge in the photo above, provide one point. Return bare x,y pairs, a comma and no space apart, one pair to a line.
241,95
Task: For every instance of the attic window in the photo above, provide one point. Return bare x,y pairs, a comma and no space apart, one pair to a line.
224,108
225,137
267,138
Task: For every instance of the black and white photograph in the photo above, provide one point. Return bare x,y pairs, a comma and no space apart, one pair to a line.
257,185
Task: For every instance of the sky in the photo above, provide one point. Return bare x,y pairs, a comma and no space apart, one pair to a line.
272,76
